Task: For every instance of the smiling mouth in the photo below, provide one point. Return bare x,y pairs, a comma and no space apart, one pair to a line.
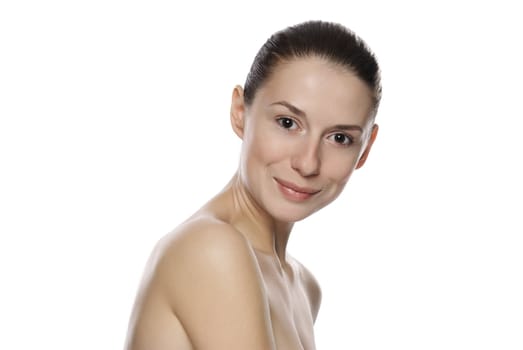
294,192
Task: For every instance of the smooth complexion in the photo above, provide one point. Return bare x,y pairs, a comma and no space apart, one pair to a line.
223,279
308,127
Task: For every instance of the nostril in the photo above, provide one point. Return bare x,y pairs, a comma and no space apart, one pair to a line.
307,167
306,160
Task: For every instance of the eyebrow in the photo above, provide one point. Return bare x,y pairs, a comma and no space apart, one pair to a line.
291,108
302,114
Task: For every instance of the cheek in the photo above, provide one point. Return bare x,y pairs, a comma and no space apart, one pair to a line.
265,147
339,168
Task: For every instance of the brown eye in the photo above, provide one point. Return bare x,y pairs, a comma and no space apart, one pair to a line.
341,139
286,123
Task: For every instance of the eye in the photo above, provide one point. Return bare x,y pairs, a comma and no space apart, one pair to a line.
341,139
287,123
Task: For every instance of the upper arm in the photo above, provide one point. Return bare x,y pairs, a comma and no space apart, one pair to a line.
215,289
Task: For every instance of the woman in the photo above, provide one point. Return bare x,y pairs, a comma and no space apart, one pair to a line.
223,278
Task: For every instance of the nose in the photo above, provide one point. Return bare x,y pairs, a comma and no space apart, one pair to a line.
306,159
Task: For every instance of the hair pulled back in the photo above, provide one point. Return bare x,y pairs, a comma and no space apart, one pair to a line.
327,40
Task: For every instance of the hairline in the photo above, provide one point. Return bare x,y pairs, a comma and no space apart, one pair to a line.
287,59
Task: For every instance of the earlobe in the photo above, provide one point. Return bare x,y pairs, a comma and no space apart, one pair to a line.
365,153
238,111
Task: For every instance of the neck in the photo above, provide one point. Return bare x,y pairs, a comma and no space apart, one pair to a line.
265,233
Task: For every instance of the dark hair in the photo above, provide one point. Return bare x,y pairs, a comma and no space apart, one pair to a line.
327,40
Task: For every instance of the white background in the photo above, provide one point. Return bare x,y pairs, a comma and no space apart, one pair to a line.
114,128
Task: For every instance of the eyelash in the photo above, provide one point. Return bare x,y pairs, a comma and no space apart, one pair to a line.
281,120
348,138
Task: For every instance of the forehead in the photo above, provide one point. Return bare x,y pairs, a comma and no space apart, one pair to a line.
318,87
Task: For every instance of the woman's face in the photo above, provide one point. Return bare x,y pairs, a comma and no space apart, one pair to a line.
306,130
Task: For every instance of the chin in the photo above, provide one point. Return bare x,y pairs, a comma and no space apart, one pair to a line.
290,212
290,218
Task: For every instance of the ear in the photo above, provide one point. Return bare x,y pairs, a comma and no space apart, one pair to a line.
365,153
238,111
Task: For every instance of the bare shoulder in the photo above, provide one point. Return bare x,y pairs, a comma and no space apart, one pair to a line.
208,277
203,238
203,246
312,287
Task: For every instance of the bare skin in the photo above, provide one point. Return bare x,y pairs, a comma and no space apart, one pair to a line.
263,302
223,279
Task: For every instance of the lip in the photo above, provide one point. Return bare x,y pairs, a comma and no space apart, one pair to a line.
294,192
